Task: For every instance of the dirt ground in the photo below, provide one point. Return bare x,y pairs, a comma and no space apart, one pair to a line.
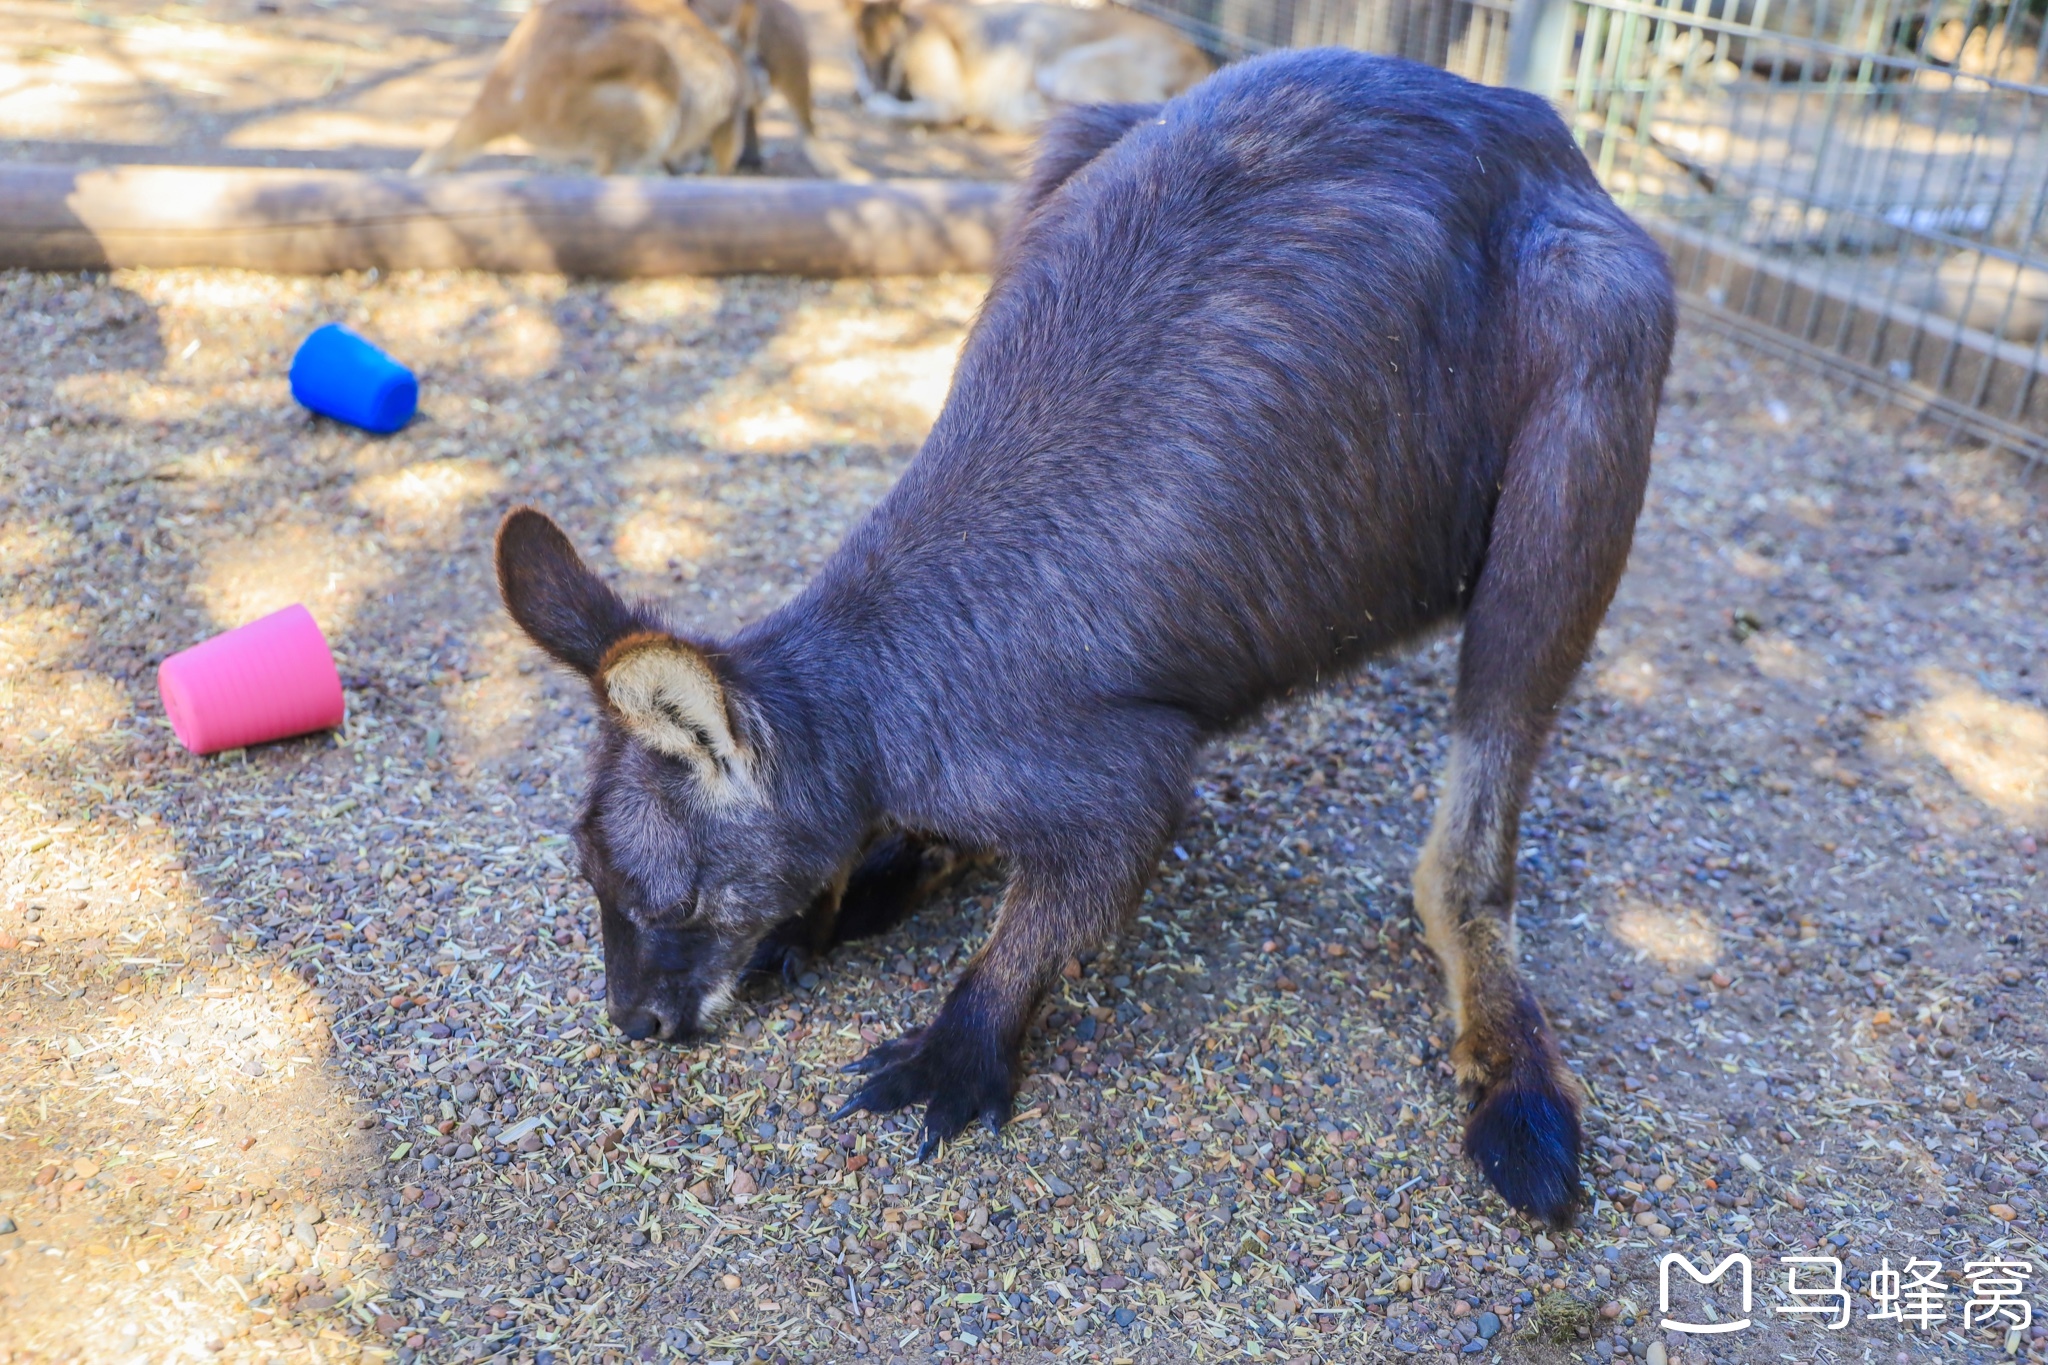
303,1052
338,84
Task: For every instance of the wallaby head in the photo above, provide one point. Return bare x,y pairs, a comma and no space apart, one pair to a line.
694,859
879,30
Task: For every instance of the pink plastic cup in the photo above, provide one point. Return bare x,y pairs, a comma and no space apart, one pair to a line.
270,679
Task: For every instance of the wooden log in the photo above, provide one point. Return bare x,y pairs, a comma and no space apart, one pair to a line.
311,222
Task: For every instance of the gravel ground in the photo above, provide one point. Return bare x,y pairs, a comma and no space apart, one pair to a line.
303,1052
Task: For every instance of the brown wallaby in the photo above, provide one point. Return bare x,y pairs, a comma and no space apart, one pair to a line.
781,57
618,85
1004,67
1325,354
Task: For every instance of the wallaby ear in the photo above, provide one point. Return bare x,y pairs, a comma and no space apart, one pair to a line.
562,606
672,700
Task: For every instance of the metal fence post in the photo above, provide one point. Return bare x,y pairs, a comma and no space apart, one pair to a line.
1536,43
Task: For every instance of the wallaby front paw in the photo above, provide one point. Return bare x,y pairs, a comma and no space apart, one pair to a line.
954,1084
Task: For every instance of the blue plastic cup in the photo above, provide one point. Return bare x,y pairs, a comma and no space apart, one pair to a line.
343,376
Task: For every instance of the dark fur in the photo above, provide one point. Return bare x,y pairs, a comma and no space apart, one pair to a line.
1328,352
893,878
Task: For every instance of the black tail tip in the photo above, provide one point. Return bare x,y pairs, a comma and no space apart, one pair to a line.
1526,1141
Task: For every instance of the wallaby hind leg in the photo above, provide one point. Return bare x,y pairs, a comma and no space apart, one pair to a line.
726,144
750,146
789,72
1560,538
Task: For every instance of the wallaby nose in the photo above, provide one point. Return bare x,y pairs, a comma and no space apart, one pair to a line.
637,1023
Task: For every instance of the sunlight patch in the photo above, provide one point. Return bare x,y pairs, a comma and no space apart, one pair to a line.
432,493
488,715
1750,564
280,565
1676,936
1783,660
1631,678
521,343
216,463
219,291
777,428
656,540
657,472
669,303
907,385
40,636
1996,750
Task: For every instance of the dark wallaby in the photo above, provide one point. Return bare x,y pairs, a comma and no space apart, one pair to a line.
1327,352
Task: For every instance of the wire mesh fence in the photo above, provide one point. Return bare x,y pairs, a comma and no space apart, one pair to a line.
1857,183
1864,182
1469,37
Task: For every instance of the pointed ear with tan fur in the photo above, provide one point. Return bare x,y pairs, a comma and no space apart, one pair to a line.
561,605
671,700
